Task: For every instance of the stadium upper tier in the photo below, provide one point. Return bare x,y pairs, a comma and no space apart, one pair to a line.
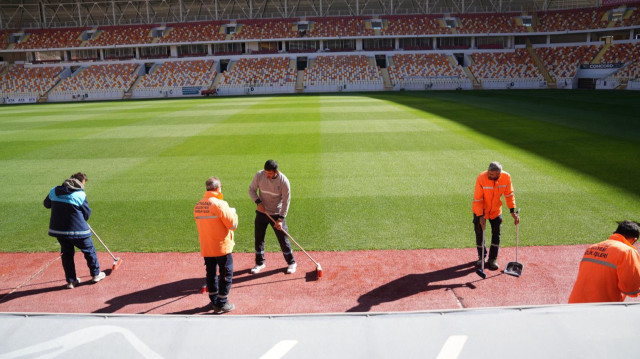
318,28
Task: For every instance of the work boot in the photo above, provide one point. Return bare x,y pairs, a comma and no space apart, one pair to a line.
292,268
73,284
99,277
492,264
257,268
225,308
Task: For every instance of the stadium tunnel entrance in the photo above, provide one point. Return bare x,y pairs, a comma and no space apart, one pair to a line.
381,61
301,63
223,65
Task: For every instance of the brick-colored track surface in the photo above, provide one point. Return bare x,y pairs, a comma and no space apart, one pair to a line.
360,281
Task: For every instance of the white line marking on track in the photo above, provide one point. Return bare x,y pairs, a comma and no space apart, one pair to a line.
452,347
280,349
66,343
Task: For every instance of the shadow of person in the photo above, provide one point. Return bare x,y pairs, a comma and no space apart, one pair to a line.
238,278
412,284
206,309
19,293
175,290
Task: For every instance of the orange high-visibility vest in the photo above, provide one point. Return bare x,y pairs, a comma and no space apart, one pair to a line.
216,223
486,197
609,271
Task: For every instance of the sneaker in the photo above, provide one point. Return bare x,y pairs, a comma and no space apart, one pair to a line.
258,268
492,264
292,268
226,308
73,284
99,277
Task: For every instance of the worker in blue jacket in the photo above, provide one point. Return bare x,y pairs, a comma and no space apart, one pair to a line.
69,214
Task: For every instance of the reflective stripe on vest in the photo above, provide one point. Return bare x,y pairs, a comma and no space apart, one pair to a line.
206,217
596,261
70,233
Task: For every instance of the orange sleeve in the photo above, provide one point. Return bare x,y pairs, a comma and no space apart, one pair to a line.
509,196
629,274
478,199
228,217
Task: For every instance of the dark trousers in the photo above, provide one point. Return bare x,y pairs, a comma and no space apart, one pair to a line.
67,250
219,285
261,224
495,236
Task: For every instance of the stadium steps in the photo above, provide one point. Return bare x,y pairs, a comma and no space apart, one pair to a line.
628,13
535,22
598,58
58,83
551,82
45,96
623,84
300,81
127,94
213,83
4,71
167,31
386,80
474,81
216,81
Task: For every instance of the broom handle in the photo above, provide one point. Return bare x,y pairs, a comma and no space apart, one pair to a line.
517,235
104,245
293,240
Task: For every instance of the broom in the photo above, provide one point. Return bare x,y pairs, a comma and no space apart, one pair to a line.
116,261
318,266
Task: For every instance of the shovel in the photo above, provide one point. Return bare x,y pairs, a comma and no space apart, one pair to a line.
514,268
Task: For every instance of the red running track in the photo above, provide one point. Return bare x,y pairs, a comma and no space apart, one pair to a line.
358,281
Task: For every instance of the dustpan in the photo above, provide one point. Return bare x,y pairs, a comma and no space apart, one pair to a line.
514,268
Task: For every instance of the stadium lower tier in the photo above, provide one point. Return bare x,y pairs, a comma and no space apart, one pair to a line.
595,66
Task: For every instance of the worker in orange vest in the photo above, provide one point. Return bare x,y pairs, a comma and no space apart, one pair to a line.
610,270
490,186
216,222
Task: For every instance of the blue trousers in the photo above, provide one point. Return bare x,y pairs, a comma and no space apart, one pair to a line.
261,224
67,250
219,285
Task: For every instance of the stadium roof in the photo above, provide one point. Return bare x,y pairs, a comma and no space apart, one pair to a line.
15,14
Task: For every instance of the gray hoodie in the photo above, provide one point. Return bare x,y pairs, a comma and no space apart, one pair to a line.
275,194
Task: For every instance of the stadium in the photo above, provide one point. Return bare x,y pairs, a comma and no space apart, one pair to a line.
380,113
97,50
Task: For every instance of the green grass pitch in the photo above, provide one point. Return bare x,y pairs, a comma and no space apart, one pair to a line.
368,171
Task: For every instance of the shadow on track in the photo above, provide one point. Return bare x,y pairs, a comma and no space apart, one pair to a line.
412,284
175,290
17,293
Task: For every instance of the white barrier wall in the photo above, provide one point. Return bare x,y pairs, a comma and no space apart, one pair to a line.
254,90
20,98
92,95
634,85
421,84
499,84
344,87
189,91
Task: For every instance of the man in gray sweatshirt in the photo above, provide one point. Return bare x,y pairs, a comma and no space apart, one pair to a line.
271,192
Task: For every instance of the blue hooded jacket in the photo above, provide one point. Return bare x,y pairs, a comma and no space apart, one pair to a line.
69,211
